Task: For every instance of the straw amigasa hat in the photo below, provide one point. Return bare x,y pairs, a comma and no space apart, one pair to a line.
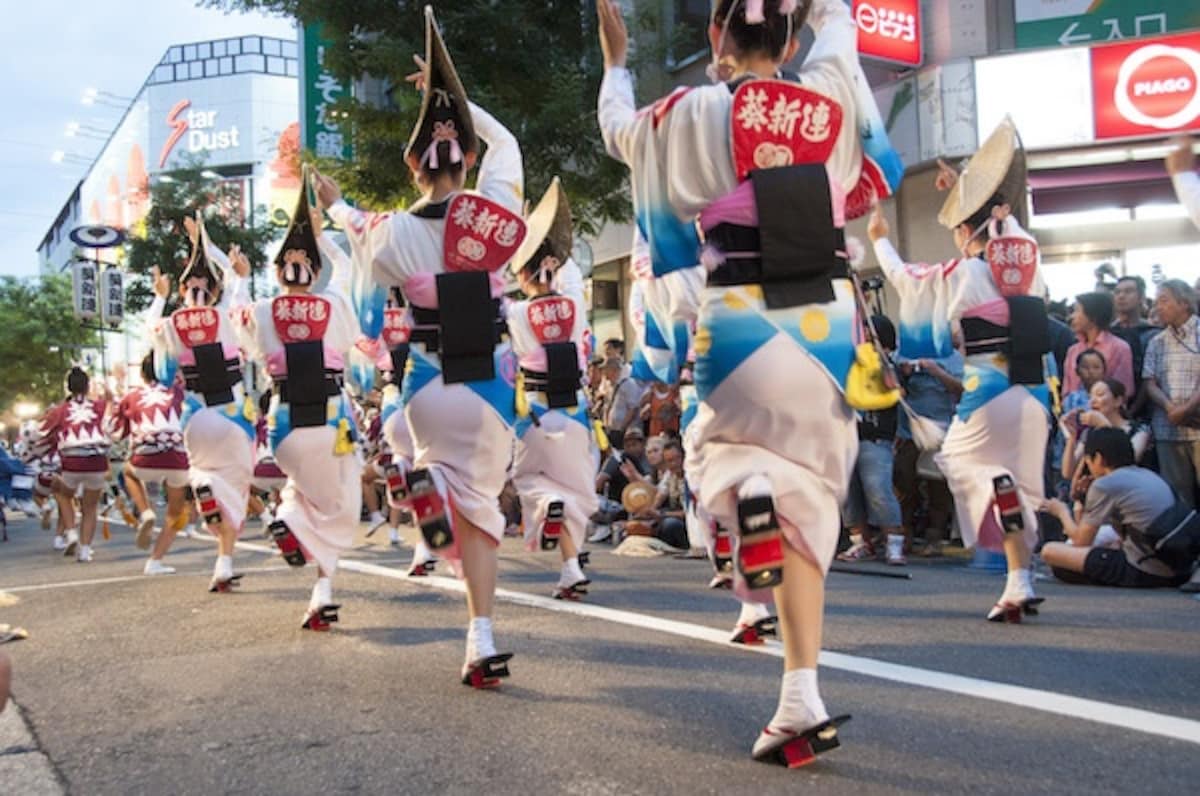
637,497
549,223
998,166
445,114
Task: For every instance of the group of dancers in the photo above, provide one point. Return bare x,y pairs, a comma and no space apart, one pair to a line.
741,191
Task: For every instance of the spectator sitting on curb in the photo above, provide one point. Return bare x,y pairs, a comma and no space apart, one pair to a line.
1125,496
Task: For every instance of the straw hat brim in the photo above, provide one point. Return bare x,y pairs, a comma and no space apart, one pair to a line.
550,220
997,167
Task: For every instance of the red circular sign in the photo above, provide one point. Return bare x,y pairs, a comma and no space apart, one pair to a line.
1162,86
1148,87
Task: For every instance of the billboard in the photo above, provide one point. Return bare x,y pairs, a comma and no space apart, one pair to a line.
889,30
1061,23
1149,87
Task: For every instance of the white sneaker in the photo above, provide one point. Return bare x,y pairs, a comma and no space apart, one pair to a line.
188,532
72,542
60,542
156,567
895,549
394,536
603,533
84,555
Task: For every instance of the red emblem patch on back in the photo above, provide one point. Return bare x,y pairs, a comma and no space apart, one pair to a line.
1013,261
299,319
396,328
196,325
552,319
777,123
481,235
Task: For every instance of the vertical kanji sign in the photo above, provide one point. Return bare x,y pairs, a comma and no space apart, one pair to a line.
320,131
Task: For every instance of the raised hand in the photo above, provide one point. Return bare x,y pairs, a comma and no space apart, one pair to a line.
614,37
878,226
160,283
417,78
947,176
241,263
328,192
1181,159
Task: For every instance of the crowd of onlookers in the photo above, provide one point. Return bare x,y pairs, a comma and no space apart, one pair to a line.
1126,363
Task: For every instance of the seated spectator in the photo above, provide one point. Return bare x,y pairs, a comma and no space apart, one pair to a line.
1107,411
1090,320
931,388
620,468
1090,367
1124,496
667,516
654,455
871,499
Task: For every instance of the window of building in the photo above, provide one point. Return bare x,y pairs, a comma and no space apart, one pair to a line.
204,51
196,70
210,68
218,48
235,46
175,55
227,66
181,71
690,33
163,74
270,46
249,63
189,52
289,49
275,66
251,44
293,69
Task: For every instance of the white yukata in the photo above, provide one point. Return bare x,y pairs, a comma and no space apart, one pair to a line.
219,439
770,382
321,500
999,428
461,432
556,456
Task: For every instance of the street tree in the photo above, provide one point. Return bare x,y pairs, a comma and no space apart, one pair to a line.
40,338
534,64
161,240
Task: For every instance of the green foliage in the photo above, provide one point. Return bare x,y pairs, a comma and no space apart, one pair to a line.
160,238
37,318
534,64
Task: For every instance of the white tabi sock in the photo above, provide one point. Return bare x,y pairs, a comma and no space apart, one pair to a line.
224,568
1019,586
752,612
479,639
754,486
322,594
800,705
421,552
572,573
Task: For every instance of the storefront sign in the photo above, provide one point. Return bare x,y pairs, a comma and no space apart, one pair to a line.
199,130
319,92
1148,87
1061,23
889,30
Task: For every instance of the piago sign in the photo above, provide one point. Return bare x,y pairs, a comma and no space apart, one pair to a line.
199,129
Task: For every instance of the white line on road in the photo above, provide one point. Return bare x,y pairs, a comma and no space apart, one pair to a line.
125,579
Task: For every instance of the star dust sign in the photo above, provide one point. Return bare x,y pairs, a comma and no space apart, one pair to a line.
199,129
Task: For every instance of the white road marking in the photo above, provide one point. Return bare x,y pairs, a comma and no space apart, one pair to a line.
66,584
1126,718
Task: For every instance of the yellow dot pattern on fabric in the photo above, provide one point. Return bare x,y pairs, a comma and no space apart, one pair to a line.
753,291
703,340
733,301
814,325
331,410
971,384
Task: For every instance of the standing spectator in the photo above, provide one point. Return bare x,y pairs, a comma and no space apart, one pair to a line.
1125,497
625,398
1061,340
1129,301
1172,375
660,409
871,498
932,388
1090,320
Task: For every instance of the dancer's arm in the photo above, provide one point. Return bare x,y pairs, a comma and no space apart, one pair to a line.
501,172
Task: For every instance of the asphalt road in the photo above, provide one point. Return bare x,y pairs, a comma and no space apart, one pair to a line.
153,685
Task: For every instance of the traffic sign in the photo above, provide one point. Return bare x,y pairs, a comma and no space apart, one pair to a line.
1062,23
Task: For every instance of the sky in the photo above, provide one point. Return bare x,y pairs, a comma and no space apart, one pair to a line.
52,50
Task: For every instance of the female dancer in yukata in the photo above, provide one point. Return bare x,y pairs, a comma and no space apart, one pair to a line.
218,416
303,337
447,256
993,456
778,317
556,460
